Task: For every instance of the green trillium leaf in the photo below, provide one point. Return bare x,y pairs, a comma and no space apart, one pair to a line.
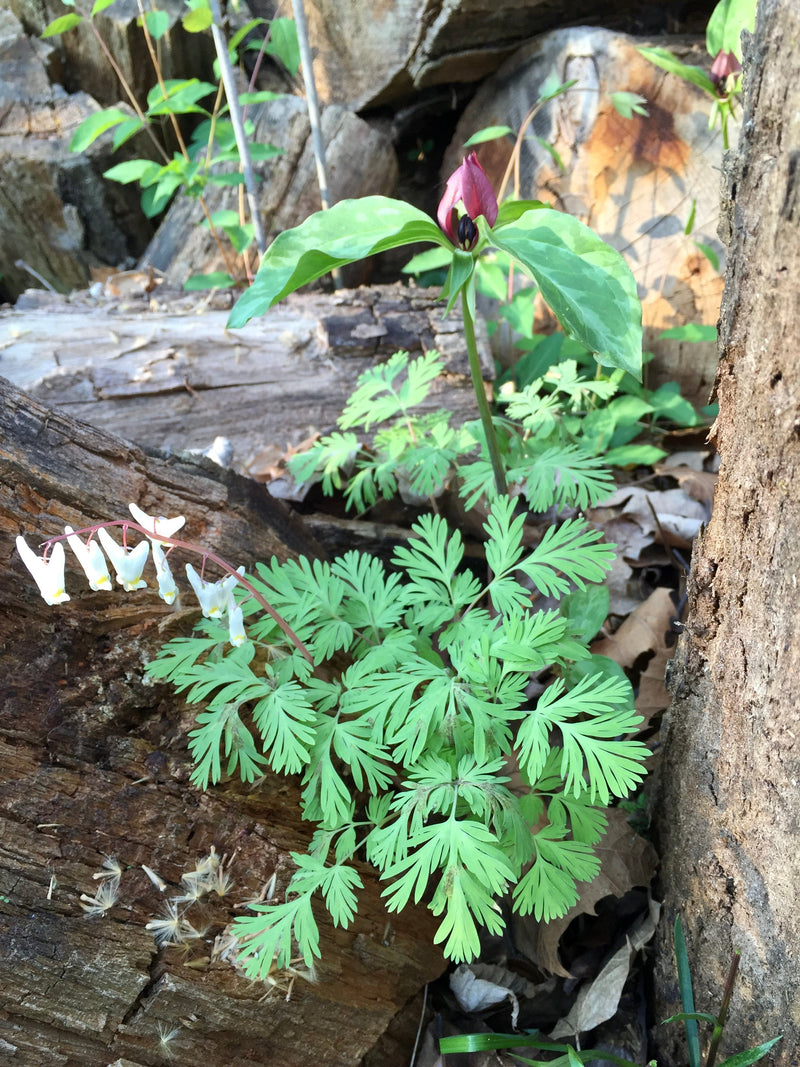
351,230
587,284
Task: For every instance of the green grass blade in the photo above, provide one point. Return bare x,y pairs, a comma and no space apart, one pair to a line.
687,994
751,1055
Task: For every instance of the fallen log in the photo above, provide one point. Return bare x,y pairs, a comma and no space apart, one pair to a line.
94,764
172,377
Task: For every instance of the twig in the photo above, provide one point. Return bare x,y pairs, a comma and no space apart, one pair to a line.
419,1028
312,103
722,1016
226,74
25,266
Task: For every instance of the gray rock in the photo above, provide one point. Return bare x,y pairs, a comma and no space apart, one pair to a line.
57,215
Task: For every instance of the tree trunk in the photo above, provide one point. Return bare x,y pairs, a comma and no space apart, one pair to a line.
729,809
93,763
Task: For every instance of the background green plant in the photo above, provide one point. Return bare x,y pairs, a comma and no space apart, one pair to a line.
209,155
723,34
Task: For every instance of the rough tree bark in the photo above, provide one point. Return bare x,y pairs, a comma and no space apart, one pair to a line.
93,761
729,813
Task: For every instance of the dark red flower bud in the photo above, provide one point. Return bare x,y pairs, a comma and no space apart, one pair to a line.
469,187
723,66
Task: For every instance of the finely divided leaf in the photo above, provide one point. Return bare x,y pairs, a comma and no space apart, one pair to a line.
379,397
567,553
284,718
267,936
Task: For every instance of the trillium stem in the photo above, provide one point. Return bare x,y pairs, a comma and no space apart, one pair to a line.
480,396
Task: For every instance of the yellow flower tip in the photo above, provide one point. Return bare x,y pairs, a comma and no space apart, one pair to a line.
47,573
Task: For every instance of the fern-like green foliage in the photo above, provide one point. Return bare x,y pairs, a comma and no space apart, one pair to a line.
413,722
549,458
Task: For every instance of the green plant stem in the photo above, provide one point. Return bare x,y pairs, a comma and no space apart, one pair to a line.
722,1016
480,396
235,111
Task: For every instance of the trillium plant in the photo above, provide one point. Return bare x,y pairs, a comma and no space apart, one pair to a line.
586,283
448,722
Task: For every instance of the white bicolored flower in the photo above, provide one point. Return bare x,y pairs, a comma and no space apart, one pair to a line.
160,525
167,589
128,563
91,558
47,573
236,630
216,598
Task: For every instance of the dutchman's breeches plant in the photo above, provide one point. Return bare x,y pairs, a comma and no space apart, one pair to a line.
402,694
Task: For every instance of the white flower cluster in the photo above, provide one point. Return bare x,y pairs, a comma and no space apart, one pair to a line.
216,598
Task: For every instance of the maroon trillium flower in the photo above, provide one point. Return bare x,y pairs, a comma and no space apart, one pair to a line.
470,187
724,65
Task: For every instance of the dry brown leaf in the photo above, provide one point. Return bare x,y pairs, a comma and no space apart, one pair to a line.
623,589
644,632
679,518
691,457
598,1000
626,861
699,485
628,536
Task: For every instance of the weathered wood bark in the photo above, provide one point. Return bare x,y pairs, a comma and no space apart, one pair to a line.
729,821
93,761
175,379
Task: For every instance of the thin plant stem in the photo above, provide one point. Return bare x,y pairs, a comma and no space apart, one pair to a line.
230,266
148,40
235,111
480,395
722,1016
129,92
312,104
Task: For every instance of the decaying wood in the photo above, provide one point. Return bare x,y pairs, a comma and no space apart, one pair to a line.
93,762
728,818
176,381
